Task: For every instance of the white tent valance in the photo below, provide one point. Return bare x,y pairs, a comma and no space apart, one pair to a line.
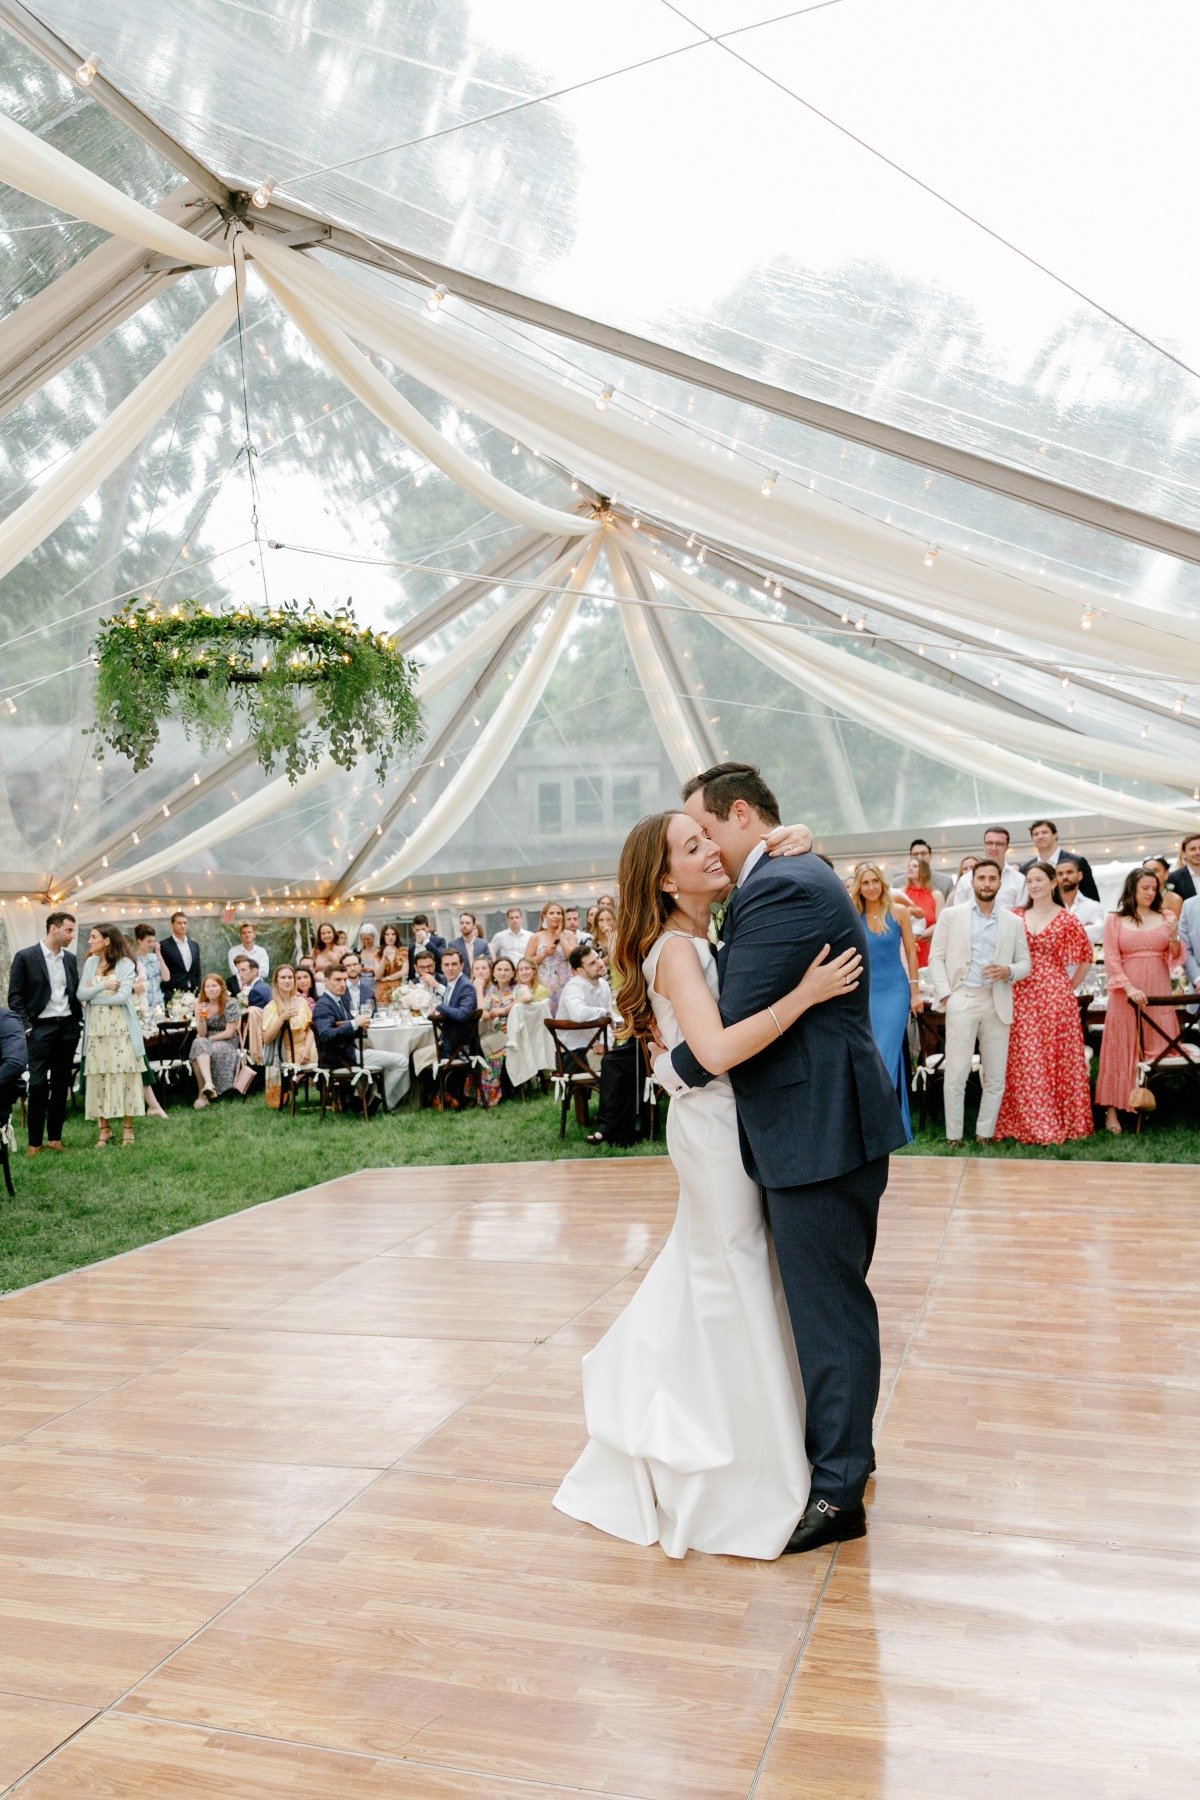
688,755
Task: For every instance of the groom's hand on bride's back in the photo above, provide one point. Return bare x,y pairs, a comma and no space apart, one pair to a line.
789,840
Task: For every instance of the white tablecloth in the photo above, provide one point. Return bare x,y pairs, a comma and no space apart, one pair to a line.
530,1046
406,1037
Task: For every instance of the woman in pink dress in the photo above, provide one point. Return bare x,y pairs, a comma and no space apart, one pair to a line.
1046,1093
1141,947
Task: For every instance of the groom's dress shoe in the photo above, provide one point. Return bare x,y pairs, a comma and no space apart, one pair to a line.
825,1524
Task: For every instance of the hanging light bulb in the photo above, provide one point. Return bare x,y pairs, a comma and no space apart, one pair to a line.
85,74
1179,704
262,193
920,649
769,481
1070,706
702,553
1066,681
166,811
691,543
136,838
930,556
860,624
516,448
434,302
1085,622
995,681
603,397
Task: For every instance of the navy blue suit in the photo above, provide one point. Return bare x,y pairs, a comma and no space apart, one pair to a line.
452,1015
14,1060
333,1024
817,1117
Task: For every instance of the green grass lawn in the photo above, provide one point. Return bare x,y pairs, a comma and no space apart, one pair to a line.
89,1204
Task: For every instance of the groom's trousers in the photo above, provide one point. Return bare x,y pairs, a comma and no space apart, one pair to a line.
824,1240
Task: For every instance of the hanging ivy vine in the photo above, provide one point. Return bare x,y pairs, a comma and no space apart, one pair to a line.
306,683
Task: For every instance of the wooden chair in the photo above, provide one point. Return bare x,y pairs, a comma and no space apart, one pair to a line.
458,1053
574,1078
652,1094
8,1143
295,1077
352,1082
1163,1049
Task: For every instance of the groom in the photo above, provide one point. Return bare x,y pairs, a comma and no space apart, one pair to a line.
817,1116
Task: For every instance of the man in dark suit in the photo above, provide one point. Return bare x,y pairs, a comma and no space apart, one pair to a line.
1045,841
818,1118
181,954
470,941
43,991
1185,880
360,984
14,1060
425,939
453,1017
335,1023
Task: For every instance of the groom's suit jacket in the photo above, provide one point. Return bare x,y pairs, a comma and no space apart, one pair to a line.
818,1102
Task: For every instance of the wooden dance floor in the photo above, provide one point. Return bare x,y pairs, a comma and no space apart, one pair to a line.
276,1510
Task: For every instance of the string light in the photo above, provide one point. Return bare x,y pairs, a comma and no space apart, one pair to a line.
1179,704
930,556
516,448
920,649
603,397
778,590
262,194
434,302
768,485
701,553
85,74
1085,622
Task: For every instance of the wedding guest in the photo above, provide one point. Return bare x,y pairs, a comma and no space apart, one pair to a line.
529,988
455,1016
941,880
965,868
496,1004
360,987
424,991
368,951
1089,913
979,952
1047,1097
589,923
306,986
248,947
927,902
337,1026
588,996
181,954
341,942
424,938
216,1053
43,991
154,971
571,923
1161,870
113,1051
895,992
1047,849
1185,879
513,941
1012,883
392,974
481,975
1141,947
288,1006
325,949
550,948
248,985
604,933
470,941
14,1060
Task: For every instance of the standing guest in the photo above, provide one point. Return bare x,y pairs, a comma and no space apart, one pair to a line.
43,991
1047,1098
392,974
549,949
1185,880
1161,870
496,1004
966,869
604,934
14,1060
306,986
288,1006
249,948
529,987
325,950
571,923
360,987
154,971
927,901
368,951
216,1053
895,991
424,938
1012,881
588,997
1189,939
513,941
940,880
1141,947
181,954
341,942
589,923
113,1052
470,941
978,952
1089,913
1047,849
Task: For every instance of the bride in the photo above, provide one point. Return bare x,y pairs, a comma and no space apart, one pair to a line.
694,1405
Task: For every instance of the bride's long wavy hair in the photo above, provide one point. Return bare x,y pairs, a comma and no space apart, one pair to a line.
641,917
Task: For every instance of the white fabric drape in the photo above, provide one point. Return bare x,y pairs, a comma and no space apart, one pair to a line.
670,716
691,487
44,173
117,438
482,765
852,689
375,391
270,799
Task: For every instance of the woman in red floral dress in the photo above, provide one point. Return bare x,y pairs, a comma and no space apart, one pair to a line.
1046,1093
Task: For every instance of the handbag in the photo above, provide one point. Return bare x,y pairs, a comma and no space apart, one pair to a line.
1141,1100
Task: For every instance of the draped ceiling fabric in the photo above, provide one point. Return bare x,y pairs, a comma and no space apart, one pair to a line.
913,649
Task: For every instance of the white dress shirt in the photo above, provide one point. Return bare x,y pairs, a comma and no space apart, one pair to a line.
58,1006
185,953
985,928
512,944
256,953
584,999
1090,914
1012,889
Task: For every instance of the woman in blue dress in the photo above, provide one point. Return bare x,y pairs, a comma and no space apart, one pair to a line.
894,980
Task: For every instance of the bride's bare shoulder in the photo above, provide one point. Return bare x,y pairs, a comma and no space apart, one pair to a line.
678,958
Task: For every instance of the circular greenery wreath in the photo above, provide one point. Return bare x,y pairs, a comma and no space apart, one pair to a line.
205,667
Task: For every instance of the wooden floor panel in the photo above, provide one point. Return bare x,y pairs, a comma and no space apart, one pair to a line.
275,1510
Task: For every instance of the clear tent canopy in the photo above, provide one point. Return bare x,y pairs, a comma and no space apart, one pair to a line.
886,412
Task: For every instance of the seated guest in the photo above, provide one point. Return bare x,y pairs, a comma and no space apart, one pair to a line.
513,941
423,938
454,1016
470,941
941,882
496,1003
288,1006
360,987
368,950
1047,849
181,957
216,1055
481,975
927,901
1012,881
341,942
528,987
249,948
248,985
14,1060
1141,947
152,970
424,990
306,985
1185,880
978,952
337,1027
392,973
1161,869
587,996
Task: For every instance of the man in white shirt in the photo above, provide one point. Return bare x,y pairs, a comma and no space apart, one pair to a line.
181,954
978,951
1090,913
249,948
1012,882
588,996
515,940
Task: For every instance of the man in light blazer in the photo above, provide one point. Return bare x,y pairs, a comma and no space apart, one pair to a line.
1189,938
977,952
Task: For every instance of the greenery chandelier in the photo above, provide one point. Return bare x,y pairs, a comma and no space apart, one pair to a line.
209,668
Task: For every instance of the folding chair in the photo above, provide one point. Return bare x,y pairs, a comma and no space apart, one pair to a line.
8,1143
1162,1047
574,1078
458,1052
651,1097
351,1081
294,1076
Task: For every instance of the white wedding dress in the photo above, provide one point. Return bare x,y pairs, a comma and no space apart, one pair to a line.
693,1400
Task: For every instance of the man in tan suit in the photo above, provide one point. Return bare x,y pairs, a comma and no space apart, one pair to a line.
977,952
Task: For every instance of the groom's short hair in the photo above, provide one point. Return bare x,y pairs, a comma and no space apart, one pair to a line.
726,782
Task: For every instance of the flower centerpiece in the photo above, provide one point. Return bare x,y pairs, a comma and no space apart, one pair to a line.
183,1006
307,684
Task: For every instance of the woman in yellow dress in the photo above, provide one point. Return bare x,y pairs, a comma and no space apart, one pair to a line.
287,1006
113,1050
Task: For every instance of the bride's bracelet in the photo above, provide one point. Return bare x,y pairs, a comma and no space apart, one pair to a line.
778,1026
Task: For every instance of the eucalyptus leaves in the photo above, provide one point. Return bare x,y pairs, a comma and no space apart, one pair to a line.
208,669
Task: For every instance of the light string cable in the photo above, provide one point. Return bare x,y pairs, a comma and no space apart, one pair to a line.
239,280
